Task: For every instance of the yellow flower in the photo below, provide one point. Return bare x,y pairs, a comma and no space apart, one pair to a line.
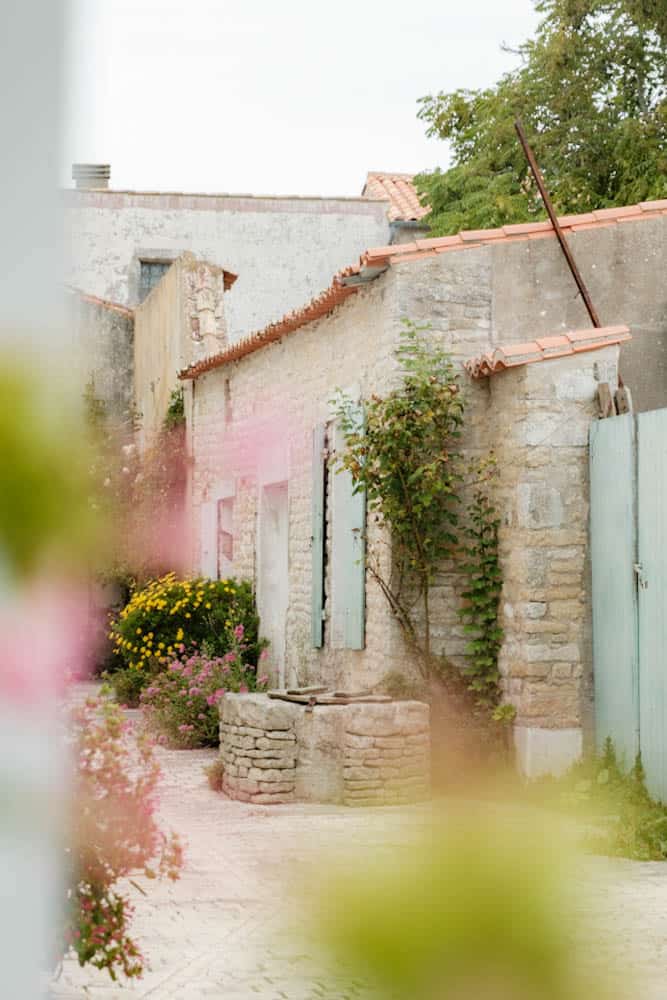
138,631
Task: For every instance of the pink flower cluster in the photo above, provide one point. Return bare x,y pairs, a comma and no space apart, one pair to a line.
181,704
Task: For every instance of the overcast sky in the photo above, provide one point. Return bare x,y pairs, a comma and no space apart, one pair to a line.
271,97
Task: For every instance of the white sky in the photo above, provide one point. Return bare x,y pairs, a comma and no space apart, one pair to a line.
272,96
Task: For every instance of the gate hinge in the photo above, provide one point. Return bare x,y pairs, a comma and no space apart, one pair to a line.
641,579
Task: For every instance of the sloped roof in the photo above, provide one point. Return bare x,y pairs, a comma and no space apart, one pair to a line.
546,349
374,261
420,249
404,203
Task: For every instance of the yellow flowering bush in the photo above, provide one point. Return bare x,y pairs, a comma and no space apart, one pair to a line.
171,616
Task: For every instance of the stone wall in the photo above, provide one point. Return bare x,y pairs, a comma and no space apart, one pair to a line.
181,320
284,250
387,754
542,414
258,749
102,335
357,754
533,295
250,428
251,424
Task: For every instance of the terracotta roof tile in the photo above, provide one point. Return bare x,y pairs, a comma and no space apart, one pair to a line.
399,189
524,228
324,303
375,260
546,349
479,234
102,303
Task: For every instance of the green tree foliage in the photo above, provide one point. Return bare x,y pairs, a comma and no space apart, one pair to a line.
591,90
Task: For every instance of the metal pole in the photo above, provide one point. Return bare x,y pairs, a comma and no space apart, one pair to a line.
572,264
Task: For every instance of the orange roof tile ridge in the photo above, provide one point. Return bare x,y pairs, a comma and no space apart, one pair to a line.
104,303
465,239
559,345
379,258
319,306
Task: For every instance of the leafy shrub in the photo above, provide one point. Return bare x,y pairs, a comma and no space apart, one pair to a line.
626,821
169,613
127,685
181,703
114,835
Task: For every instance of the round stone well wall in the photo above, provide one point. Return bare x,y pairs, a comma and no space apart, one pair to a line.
362,753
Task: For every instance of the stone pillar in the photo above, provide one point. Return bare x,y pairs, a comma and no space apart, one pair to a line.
541,417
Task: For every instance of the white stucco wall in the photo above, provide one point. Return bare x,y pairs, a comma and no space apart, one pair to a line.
284,250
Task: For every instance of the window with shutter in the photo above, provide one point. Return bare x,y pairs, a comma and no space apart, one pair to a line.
318,535
348,550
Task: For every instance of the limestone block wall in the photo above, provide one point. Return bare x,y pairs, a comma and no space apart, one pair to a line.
387,752
357,754
258,749
251,422
251,427
542,414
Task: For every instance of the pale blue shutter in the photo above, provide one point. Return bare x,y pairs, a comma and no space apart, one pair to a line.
318,536
348,586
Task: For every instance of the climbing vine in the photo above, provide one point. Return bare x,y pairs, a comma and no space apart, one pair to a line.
407,458
482,594
175,415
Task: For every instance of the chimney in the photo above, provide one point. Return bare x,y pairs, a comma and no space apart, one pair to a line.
91,175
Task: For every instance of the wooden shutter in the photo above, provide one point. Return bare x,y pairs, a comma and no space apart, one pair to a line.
318,536
348,550
208,562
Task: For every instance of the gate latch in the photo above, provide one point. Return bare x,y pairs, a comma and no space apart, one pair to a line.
641,579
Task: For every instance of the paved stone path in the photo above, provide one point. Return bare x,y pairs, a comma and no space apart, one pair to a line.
224,931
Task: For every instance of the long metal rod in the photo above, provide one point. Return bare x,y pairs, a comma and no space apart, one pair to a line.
572,264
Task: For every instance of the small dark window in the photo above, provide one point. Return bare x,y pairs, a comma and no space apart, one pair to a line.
151,272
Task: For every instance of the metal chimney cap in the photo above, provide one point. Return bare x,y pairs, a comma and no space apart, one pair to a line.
91,175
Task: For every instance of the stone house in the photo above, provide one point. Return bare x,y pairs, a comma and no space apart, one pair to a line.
261,426
283,250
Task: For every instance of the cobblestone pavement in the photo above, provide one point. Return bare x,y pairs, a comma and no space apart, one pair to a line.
225,931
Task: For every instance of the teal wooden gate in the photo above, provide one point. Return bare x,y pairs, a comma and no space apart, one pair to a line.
628,526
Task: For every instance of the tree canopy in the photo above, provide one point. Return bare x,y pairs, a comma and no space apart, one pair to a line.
591,89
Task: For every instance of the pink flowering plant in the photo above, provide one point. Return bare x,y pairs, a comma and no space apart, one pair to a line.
181,703
115,835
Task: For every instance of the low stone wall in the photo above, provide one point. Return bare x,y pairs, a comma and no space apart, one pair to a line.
386,757
258,748
357,754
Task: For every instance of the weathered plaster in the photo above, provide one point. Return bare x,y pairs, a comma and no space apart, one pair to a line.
284,250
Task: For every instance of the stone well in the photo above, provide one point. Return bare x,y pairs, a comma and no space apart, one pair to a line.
357,754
